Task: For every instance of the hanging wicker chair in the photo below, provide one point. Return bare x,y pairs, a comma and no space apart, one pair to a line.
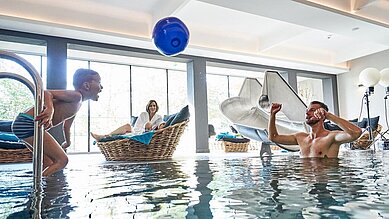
14,152
162,146
363,142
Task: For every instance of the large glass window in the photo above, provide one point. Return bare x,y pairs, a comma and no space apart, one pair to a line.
113,108
128,84
15,97
217,91
310,89
79,130
177,90
235,84
149,84
223,83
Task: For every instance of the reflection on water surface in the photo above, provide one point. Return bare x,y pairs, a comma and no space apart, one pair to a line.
354,186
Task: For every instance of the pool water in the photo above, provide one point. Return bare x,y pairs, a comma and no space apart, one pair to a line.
285,186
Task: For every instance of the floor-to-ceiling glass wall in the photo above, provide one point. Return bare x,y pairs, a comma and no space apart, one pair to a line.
217,91
15,97
310,89
129,83
149,84
223,83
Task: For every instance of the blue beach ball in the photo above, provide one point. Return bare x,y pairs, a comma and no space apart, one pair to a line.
170,36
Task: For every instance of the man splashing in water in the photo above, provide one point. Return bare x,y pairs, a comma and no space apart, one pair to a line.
320,142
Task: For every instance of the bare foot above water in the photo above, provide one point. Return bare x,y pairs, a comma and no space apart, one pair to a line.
98,137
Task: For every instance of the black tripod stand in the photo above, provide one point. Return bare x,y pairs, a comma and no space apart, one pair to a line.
366,97
386,115
369,91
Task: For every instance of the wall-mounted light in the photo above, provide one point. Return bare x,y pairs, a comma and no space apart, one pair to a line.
369,77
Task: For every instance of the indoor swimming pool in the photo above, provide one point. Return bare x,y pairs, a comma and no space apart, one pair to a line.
285,186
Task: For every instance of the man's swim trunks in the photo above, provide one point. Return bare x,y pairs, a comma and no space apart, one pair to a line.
23,126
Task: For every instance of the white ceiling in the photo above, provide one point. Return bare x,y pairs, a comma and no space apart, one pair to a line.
316,35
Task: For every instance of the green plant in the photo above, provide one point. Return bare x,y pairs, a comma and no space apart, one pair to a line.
15,97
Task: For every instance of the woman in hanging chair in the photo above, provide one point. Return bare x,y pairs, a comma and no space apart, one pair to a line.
146,121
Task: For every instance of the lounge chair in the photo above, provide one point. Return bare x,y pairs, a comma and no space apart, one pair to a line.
12,150
161,147
364,142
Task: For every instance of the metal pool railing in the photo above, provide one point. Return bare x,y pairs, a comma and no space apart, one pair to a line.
38,131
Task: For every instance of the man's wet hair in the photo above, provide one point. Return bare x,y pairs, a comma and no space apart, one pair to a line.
83,75
322,105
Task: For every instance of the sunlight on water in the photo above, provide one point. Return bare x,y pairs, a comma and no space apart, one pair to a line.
354,186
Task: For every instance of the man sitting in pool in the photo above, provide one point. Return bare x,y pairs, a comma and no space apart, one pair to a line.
319,142
60,107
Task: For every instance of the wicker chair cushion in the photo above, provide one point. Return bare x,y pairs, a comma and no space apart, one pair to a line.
8,137
177,117
144,138
224,135
331,126
373,122
362,124
211,130
11,145
161,147
168,119
5,126
236,140
181,116
133,120
11,149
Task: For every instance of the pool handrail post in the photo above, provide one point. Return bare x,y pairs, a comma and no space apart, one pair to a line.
38,131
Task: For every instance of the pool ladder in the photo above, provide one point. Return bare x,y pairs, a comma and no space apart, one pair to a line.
37,90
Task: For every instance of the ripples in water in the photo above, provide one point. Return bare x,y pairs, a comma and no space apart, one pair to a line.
354,186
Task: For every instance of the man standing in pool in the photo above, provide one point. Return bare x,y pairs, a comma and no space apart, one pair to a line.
319,142
60,107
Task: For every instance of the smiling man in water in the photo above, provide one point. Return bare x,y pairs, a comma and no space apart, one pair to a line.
320,142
